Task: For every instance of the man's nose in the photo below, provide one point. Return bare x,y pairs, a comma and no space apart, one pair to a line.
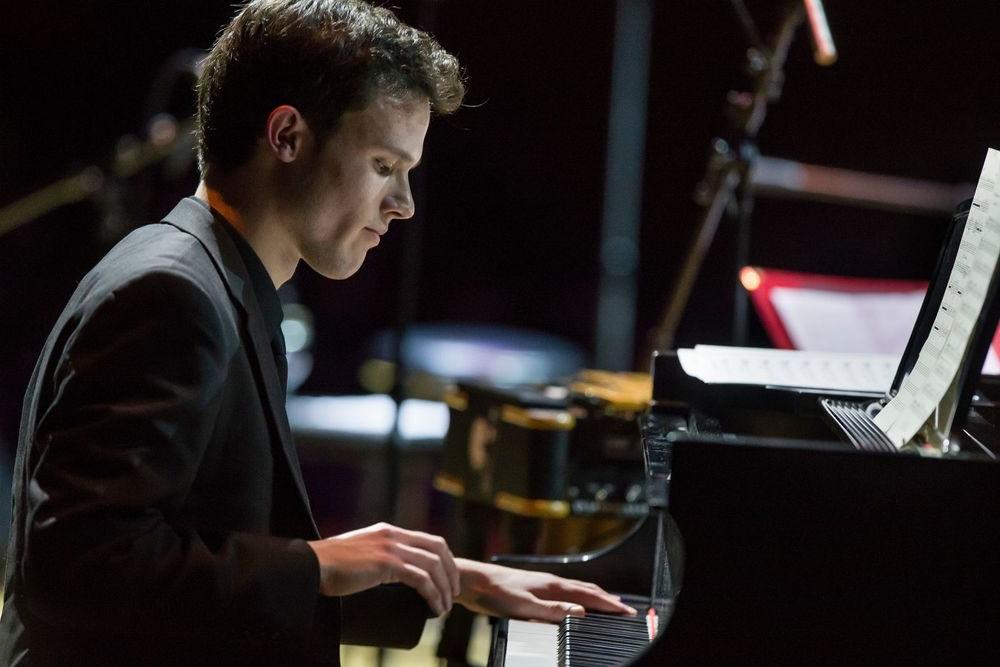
399,203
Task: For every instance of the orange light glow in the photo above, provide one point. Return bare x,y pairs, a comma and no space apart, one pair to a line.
750,278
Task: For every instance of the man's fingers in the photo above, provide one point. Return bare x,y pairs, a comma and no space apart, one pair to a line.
589,586
553,611
590,596
383,553
419,580
438,546
432,564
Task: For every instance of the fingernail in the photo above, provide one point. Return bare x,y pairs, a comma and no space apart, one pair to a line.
576,610
631,611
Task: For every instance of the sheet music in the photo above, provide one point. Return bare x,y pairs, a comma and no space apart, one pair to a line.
878,322
941,355
839,371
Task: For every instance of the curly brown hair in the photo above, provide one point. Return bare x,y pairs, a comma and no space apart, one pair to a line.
323,57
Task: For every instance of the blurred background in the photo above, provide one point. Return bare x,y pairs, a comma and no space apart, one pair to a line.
513,186
514,189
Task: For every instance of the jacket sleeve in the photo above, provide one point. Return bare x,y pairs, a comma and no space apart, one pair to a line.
364,617
125,414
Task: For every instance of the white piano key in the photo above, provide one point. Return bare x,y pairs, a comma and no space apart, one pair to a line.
531,644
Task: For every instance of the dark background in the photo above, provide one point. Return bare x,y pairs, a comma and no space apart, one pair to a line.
512,187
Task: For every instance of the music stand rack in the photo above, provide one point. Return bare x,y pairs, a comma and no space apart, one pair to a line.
736,172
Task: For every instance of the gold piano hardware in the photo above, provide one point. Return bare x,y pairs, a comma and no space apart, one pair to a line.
531,507
456,400
446,483
621,392
537,418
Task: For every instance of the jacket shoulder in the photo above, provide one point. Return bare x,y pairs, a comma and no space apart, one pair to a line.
156,248
155,268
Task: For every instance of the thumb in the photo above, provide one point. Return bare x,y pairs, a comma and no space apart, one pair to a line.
554,611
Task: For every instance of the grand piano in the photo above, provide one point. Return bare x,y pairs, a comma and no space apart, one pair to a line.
777,532
770,540
780,551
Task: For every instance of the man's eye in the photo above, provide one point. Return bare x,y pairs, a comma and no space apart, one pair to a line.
382,167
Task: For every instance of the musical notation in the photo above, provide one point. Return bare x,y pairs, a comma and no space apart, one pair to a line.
838,371
928,384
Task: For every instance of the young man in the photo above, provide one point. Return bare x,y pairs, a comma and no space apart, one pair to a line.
160,515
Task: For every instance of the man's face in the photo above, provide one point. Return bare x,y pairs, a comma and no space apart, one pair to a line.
356,183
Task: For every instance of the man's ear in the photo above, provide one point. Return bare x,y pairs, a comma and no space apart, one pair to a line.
286,133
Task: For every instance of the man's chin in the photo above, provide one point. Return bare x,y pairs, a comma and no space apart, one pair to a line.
338,270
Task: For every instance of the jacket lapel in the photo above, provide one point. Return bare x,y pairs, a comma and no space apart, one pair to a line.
195,218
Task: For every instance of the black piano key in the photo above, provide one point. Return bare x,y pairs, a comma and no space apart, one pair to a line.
600,640
597,634
587,622
609,622
604,641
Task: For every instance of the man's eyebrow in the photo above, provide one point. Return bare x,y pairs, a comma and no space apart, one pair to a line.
399,152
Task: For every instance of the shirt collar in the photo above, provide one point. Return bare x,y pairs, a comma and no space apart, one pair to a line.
260,280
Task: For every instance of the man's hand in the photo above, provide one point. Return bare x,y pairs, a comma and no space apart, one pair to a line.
503,591
385,554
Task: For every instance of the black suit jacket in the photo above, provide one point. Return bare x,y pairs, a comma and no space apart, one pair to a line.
160,514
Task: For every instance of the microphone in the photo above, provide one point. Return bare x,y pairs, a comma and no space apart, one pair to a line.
824,50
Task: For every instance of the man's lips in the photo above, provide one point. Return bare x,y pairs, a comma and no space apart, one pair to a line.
376,234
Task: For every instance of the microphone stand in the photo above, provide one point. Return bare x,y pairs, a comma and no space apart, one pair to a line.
167,137
168,140
726,186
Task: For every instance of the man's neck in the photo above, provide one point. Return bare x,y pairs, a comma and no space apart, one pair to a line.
265,234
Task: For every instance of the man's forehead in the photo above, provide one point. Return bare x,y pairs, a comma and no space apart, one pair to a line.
386,122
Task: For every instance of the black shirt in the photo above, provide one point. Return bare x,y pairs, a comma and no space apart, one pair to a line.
260,282
267,297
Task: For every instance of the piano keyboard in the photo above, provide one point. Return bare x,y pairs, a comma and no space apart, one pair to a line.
596,640
599,640
531,644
